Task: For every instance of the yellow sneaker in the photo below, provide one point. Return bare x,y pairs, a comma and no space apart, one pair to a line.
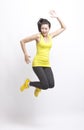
37,91
25,85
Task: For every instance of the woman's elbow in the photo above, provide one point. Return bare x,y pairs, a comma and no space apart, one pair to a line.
64,27
21,42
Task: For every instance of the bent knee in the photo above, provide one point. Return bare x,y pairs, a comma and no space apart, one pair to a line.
45,86
52,85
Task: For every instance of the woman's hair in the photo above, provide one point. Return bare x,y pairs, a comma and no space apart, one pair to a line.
41,22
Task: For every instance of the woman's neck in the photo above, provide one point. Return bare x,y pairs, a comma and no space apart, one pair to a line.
45,36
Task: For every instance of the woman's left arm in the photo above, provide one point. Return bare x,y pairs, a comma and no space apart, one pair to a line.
62,26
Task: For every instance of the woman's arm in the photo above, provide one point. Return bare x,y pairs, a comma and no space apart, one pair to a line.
23,46
61,29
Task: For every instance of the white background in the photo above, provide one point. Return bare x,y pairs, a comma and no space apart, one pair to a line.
62,107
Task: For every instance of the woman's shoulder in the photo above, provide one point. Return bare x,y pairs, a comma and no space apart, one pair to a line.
38,37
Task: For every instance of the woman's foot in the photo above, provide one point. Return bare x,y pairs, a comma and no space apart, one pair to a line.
37,91
25,85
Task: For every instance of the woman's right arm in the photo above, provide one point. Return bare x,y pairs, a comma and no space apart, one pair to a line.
23,46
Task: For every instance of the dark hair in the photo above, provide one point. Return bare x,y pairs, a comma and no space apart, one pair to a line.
41,22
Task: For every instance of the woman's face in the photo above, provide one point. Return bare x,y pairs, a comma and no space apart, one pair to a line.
45,29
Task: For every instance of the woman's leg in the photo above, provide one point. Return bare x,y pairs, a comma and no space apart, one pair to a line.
43,80
50,77
46,80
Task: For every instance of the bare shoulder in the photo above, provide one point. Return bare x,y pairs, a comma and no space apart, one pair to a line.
50,34
38,37
31,38
35,36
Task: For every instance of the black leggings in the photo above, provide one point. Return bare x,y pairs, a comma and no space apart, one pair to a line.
45,75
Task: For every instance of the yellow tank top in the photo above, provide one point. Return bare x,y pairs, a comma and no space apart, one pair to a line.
42,55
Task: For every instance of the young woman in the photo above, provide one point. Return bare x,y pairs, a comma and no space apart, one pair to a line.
41,64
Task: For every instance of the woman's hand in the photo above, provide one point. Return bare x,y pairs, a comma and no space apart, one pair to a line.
52,14
27,59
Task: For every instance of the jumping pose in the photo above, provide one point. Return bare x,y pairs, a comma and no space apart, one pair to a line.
41,64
